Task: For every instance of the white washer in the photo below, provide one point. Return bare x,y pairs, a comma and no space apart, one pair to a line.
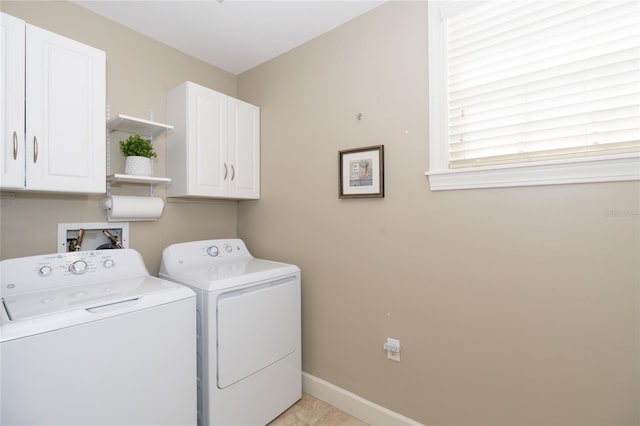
249,358
89,338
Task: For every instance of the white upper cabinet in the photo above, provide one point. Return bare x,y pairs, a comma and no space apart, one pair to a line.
215,148
61,138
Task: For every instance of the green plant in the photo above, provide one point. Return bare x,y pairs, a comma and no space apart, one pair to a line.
137,146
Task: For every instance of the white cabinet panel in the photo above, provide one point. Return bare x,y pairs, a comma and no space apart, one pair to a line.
208,142
215,148
244,149
12,47
63,87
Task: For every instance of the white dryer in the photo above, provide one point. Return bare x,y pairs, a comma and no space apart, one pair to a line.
89,338
249,355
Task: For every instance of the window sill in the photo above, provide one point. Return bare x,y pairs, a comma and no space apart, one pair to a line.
601,169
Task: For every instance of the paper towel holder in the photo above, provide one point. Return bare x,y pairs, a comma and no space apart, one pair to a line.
105,203
136,209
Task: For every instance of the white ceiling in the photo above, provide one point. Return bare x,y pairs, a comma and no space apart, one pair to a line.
235,35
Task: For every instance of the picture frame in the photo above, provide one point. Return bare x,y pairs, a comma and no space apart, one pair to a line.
361,172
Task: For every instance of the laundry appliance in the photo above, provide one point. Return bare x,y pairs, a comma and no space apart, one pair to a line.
248,316
90,338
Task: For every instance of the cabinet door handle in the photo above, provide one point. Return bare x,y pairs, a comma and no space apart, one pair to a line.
226,172
233,172
15,145
35,149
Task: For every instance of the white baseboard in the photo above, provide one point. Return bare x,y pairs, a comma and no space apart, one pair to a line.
353,404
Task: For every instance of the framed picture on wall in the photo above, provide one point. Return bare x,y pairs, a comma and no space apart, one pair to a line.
362,172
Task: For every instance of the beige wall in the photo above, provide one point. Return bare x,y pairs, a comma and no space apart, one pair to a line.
513,306
139,72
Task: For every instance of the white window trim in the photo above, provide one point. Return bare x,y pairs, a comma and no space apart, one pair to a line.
624,167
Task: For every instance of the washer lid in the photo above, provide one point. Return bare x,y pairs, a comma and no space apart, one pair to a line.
223,275
83,297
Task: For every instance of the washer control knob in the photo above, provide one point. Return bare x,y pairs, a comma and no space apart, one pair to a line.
109,263
228,248
45,271
78,267
212,251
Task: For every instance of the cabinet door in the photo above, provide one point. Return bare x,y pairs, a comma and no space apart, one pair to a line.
65,114
207,138
244,150
11,102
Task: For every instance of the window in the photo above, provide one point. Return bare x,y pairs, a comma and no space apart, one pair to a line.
531,93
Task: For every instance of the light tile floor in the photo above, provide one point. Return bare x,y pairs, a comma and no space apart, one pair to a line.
310,411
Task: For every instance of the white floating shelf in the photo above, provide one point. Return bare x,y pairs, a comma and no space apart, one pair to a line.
134,125
118,178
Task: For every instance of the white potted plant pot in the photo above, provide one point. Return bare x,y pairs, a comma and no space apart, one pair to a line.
138,154
141,166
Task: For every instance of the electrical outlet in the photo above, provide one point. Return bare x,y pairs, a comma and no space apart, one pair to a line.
392,346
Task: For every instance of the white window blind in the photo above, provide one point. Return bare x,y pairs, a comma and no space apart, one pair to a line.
542,80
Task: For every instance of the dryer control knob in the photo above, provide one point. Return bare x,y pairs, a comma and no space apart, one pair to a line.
212,251
78,267
228,248
109,263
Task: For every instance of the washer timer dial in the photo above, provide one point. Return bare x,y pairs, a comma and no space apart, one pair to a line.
212,251
78,267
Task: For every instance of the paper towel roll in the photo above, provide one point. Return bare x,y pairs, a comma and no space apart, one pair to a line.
125,208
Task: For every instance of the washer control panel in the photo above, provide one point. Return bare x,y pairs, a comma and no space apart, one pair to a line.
65,269
78,263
